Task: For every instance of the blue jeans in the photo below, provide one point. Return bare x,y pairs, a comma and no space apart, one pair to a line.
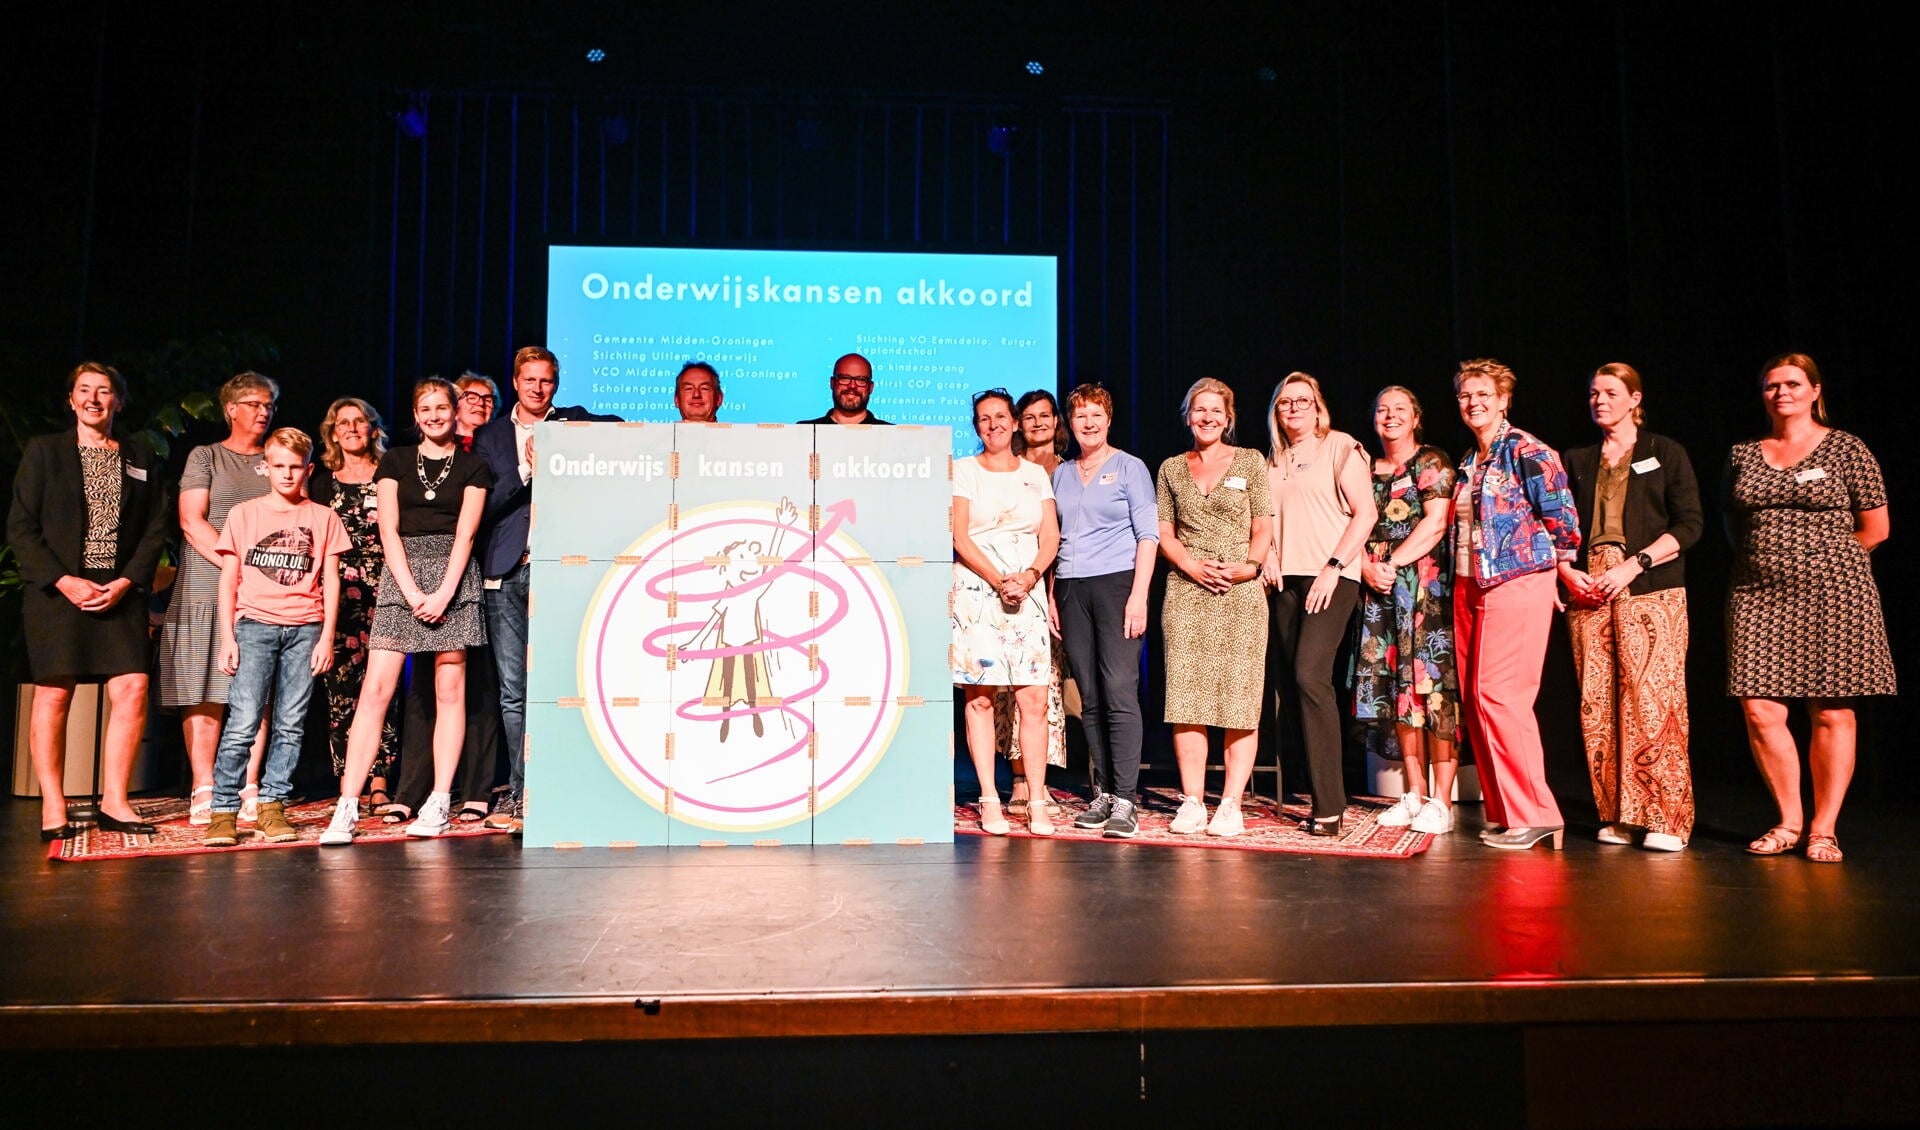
507,633
276,663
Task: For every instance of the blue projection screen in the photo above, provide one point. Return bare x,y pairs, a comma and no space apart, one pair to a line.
937,328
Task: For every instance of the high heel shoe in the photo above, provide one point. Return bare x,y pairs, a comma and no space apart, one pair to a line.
124,827
1039,823
993,818
1322,826
63,832
1520,839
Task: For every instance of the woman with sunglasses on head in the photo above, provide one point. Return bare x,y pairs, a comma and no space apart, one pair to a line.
1039,438
1404,672
1005,534
1627,615
216,478
87,525
1216,526
1514,523
431,498
1322,513
1806,504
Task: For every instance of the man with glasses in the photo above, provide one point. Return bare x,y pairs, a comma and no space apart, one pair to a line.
852,385
696,392
507,446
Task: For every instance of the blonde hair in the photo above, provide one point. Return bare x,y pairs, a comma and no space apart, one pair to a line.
1322,419
331,457
1218,388
292,439
1627,375
1501,376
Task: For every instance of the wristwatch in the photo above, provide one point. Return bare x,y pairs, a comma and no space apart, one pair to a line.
1645,559
1336,563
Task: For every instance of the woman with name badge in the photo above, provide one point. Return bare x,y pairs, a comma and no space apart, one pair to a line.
87,525
1005,534
1627,614
1322,513
1514,521
1040,439
1216,525
217,476
1403,669
431,498
1805,506
1109,537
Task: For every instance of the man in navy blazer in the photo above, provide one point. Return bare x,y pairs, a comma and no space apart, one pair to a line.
506,443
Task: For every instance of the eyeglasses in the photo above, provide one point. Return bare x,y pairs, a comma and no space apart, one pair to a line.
256,405
1477,397
851,379
1295,404
477,398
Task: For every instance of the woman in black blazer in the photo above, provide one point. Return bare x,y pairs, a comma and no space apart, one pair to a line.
1627,610
87,525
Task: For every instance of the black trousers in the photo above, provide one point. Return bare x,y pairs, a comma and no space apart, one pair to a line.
479,755
1305,706
1106,667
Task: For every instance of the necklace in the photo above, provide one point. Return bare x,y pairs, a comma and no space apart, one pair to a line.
420,471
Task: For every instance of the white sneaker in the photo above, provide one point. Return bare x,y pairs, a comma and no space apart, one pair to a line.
1663,841
1435,818
1402,812
1190,819
340,829
433,817
1227,820
1614,834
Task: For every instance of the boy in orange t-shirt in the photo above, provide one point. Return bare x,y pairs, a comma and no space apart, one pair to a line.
279,597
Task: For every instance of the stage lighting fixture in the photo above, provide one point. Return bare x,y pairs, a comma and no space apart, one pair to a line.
1267,74
596,55
1035,68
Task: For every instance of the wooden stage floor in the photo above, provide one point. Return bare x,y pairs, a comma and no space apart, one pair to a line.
477,942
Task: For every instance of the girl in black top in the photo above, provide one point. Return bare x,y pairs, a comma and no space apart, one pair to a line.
431,496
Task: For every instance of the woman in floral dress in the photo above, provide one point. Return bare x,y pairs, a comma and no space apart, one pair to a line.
1403,666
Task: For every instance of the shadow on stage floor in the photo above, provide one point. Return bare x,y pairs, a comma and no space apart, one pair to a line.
1015,978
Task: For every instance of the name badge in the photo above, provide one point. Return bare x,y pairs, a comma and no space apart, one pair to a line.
1109,478
370,504
491,583
1811,474
1650,463
1404,482
139,474
1234,482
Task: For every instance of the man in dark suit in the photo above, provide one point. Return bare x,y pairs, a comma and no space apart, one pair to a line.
851,385
506,443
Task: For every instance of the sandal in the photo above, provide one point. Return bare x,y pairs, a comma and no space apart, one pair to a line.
393,813
1777,840
1824,849
469,814
249,804
200,811
993,819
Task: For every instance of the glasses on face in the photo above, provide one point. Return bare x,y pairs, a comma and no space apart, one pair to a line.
350,426
1295,404
255,405
1477,397
851,379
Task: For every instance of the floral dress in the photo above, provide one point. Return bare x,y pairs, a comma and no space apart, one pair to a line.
357,504
1403,660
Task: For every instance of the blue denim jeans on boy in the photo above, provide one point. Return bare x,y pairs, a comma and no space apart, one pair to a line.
276,662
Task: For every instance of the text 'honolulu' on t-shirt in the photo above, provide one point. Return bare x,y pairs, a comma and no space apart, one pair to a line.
281,550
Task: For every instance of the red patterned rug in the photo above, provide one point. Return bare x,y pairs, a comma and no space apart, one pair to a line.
1269,828
173,835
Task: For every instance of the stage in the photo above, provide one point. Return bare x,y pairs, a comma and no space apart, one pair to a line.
1572,987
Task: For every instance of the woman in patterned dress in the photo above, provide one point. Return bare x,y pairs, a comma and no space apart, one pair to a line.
1216,525
1403,664
1805,505
1004,537
431,498
87,526
217,476
1039,439
352,440
1627,614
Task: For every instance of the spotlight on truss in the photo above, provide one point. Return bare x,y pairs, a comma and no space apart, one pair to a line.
1035,68
596,55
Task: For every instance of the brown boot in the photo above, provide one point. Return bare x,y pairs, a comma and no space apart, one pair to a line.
272,823
222,830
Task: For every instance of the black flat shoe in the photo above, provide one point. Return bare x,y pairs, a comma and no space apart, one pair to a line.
1327,827
125,827
63,832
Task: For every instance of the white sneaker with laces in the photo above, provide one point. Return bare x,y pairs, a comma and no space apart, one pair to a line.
340,829
1227,820
1434,818
433,817
1190,819
1402,812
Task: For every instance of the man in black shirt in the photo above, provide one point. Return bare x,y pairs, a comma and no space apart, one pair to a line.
852,384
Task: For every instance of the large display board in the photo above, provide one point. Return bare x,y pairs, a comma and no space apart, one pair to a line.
937,328
738,634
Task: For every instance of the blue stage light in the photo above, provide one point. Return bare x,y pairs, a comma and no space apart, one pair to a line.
1035,68
596,55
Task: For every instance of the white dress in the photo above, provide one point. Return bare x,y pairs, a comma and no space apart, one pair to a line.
993,646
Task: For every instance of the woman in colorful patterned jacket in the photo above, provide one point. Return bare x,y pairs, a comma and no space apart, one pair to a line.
1514,521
